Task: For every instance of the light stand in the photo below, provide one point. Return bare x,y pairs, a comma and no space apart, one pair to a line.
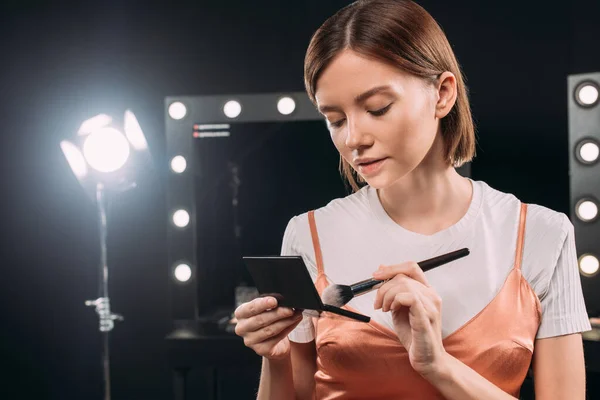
102,304
107,157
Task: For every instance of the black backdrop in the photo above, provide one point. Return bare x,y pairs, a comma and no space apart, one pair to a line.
61,63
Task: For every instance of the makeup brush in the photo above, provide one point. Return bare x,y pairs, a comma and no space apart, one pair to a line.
339,295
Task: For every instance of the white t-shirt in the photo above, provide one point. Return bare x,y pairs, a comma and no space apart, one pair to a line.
357,235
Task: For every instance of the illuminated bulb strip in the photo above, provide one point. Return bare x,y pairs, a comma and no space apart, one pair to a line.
181,218
588,264
182,272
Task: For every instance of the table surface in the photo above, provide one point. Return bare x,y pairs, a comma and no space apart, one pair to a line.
208,343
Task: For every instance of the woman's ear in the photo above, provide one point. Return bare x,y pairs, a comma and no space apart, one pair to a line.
446,91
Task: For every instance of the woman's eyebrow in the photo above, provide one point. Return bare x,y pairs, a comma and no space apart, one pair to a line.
361,98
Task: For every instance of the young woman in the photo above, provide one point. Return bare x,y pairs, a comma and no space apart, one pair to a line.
385,78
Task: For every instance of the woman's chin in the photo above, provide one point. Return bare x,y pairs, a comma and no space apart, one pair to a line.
378,182
383,180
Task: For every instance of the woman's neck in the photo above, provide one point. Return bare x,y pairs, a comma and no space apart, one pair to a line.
428,200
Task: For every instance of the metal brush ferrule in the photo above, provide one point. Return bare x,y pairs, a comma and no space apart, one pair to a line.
365,286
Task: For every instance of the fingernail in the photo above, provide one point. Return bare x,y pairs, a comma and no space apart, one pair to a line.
377,273
271,302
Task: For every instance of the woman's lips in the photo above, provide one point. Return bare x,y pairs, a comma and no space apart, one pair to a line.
372,167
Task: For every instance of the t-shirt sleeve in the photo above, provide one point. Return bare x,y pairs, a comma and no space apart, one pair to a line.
305,330
563,305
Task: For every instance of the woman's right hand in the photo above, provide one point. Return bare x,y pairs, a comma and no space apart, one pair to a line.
265,327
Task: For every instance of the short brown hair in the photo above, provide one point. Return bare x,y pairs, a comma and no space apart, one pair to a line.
402,34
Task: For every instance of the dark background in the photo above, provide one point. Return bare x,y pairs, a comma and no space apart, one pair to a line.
283,169
62,62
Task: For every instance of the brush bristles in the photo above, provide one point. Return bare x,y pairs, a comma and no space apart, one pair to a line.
337,295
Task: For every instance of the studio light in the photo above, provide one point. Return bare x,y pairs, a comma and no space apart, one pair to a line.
587,151
182,272
133,132
587,93
107,157
286,105
586,209
232,109
75,159
177,110
588,264
94,123
106,149
181,218
178,164
110,152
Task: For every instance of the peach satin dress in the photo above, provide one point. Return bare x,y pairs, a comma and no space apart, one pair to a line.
357,360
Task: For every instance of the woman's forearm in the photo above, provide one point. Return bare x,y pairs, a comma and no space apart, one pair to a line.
276,380
457,381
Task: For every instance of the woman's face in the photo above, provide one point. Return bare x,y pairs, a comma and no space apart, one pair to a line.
382,121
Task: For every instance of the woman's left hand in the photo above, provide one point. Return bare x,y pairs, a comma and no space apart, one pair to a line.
416,313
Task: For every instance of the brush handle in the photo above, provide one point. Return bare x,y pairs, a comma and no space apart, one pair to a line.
443,259
426,265
346,313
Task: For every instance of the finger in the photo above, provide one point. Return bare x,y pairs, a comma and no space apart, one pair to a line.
387,286
403,299
388,298
285,331
381,293
402,281
270,331
263,319
410,269
266,347
255,307
418,317
251,339
432,304
402,285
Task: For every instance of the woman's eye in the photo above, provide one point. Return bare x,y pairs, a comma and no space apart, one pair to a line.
337,124
376,113
381,111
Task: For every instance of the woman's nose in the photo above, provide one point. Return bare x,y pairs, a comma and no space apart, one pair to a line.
356,136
